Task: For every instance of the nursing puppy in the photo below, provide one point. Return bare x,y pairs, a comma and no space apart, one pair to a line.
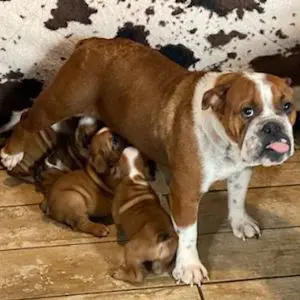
72,153
74,197
203,126
149,229
63,146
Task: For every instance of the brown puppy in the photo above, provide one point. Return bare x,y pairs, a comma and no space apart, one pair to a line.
204,126
75,196
137,209
62,146
72,153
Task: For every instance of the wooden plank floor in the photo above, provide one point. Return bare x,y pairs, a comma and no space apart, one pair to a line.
40,259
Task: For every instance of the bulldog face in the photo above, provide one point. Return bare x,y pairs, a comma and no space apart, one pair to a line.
105,150
257,112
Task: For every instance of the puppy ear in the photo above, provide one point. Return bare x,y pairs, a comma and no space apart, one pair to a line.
215,97
98,162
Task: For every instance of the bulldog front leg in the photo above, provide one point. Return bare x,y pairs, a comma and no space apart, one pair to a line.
184,207
243,226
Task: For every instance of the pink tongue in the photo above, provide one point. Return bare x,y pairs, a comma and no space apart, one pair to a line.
279,147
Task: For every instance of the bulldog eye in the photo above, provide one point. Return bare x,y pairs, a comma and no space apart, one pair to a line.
287,107
248,112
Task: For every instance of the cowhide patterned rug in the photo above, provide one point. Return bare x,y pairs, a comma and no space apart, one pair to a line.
36,37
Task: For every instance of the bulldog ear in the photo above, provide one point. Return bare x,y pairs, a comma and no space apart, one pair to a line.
288,81
98,162
215,97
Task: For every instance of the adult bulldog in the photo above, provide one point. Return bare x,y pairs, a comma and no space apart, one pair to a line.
203,126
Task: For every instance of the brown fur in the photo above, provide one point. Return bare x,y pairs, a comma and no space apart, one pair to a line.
233,92
282,93
147,226
73,197
144,97
39,145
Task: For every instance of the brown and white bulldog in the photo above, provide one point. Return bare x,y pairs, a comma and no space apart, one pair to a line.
203,126
147,226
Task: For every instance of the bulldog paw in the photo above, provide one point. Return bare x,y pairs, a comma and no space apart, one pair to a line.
10,160
189,270
245,227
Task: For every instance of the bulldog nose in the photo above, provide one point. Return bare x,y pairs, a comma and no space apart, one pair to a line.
271,128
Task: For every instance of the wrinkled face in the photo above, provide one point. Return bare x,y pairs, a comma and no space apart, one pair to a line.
105,150
257,112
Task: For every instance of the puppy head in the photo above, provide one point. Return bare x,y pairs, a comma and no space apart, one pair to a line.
105,150
160,246
166,248
257,112
86,128
132,165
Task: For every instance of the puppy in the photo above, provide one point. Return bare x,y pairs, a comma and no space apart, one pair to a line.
56,146
72,153
137,209
74,197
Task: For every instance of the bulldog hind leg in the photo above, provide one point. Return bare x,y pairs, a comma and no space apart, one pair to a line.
65,97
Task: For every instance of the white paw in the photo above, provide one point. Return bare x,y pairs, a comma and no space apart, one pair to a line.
244,227
189,270
10,160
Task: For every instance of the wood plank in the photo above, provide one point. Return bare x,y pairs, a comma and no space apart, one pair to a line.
27,226
77,269
295,157
272,207
284,175
15,192
269,289
276,253
56,271
166,293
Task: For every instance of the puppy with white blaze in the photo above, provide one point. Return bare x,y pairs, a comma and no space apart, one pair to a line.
202,126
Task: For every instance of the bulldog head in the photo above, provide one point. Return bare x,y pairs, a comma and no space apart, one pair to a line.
257,112
105,150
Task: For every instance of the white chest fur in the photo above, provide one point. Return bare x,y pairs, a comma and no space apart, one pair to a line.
220,157
217,163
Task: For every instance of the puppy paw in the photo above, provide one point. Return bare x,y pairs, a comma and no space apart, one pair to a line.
157,267
244,227
10,160
189,269
100,230
119,274
128,274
